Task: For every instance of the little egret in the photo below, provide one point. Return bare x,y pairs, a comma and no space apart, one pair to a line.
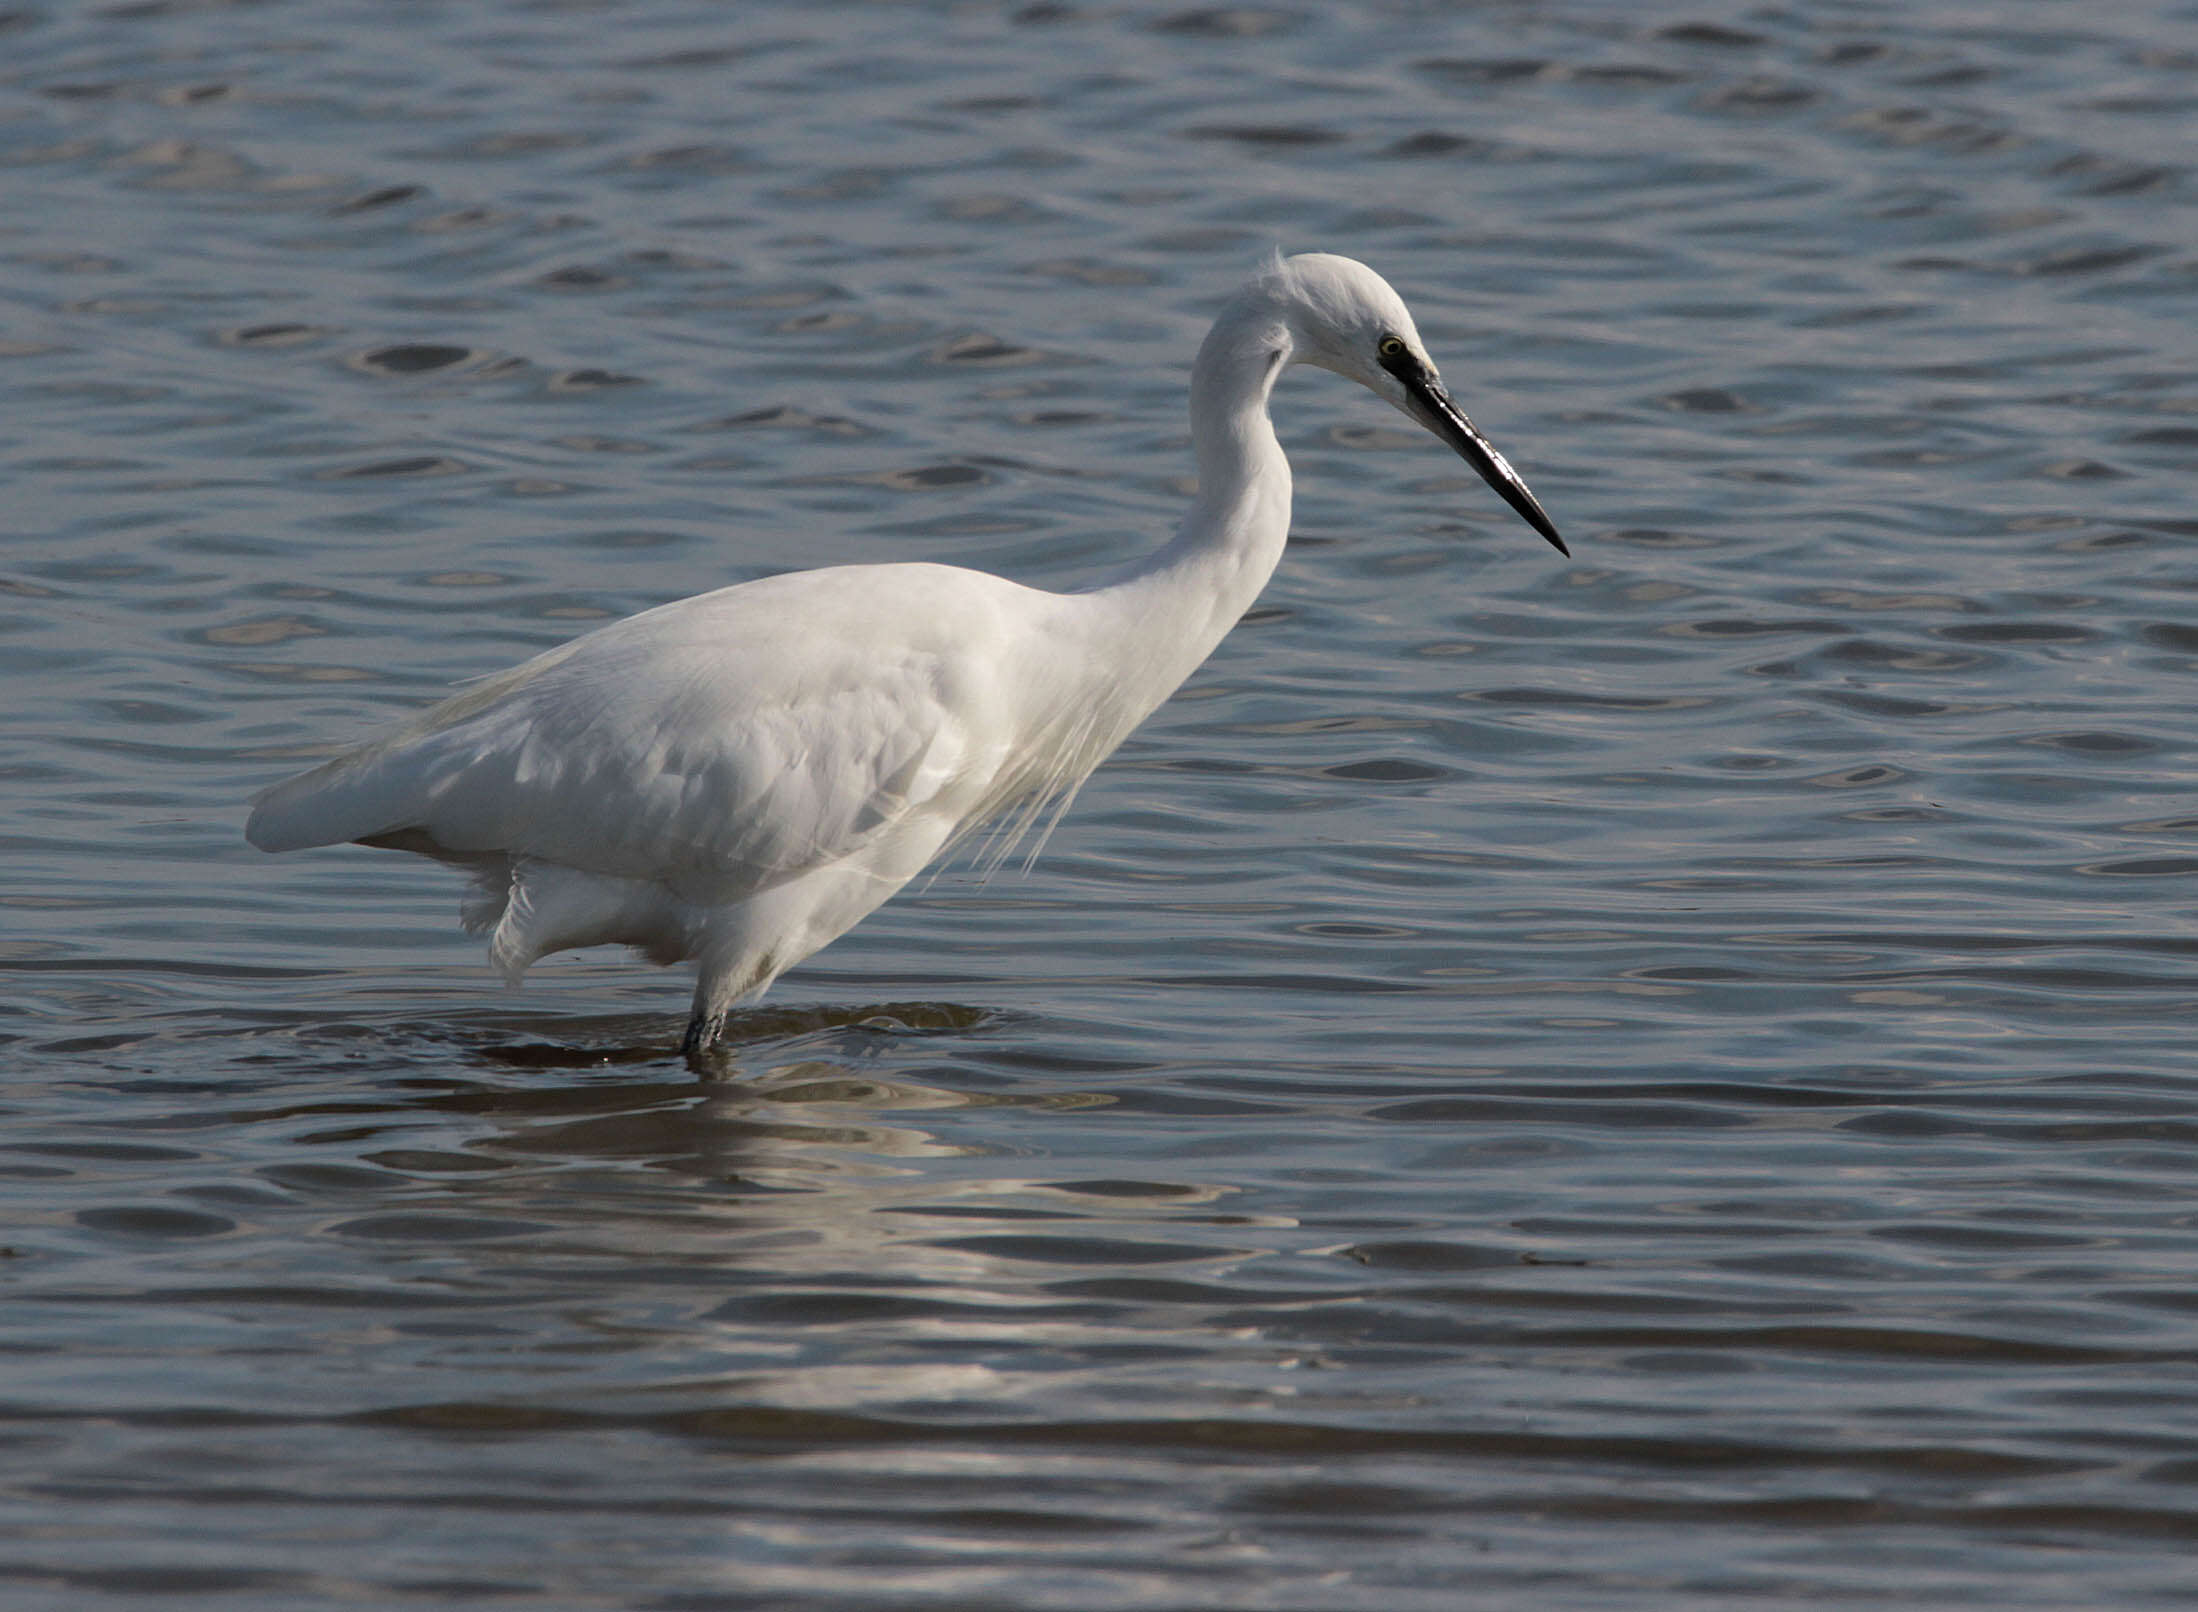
741,777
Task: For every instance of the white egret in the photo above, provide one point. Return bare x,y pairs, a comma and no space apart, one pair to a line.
741,777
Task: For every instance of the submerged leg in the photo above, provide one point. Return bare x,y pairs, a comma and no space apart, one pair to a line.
719,984
702,1034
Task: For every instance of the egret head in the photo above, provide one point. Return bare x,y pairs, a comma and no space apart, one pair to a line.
1343,316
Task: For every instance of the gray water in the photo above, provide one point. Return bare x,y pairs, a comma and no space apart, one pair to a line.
1664,1080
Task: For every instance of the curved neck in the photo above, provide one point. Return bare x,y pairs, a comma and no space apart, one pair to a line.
1181,600
1105,657
1243,505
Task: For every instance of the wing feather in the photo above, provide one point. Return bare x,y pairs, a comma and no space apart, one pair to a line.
719,745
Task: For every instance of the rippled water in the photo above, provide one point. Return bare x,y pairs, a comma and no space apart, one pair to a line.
1664,1080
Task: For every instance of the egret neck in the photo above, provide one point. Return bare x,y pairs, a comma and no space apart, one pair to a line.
1161,617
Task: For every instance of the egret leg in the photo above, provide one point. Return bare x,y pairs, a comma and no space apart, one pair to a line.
719,983
702,1034
706,1020
700,1045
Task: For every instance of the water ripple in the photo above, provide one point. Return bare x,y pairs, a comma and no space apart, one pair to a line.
1665,1076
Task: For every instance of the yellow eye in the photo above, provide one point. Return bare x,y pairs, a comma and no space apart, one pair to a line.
1389,347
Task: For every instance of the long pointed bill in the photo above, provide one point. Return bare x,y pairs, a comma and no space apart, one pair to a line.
1432,407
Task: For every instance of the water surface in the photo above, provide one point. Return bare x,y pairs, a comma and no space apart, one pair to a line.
1659,1080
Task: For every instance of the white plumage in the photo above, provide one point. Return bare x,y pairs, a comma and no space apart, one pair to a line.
740,777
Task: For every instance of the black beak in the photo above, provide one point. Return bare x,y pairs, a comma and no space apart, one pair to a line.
1432,407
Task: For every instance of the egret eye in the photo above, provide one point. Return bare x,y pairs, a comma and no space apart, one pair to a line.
1390,347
